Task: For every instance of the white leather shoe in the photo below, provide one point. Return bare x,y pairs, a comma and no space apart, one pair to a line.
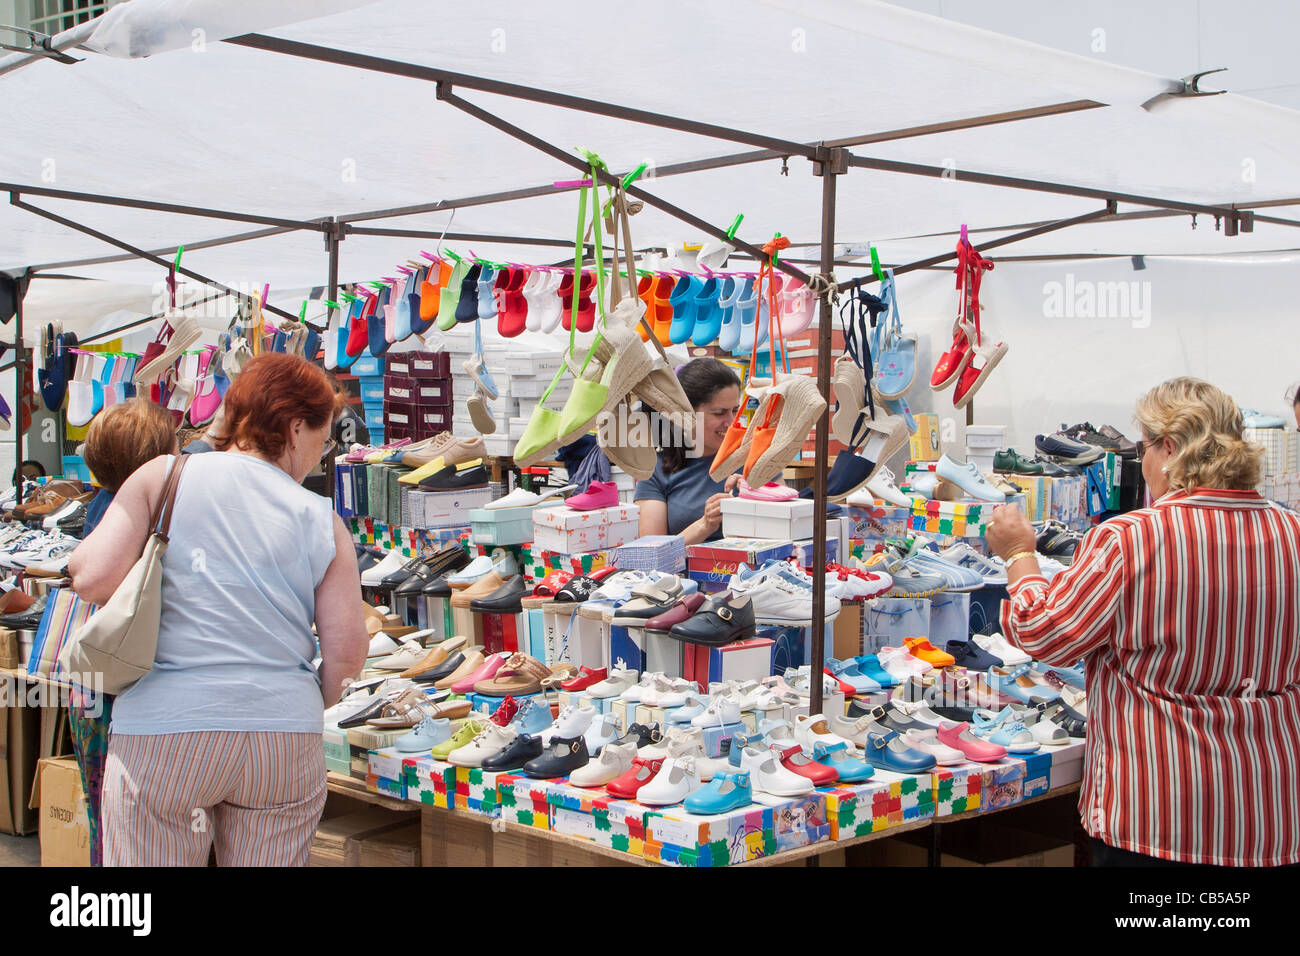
373,576
613,762
767,775
927,742
812,728
572,722
667,693
678,742
615,685
634,690
852,729
676,780
492,739
519,498
999,647
721,711
467,575
603,730
406,656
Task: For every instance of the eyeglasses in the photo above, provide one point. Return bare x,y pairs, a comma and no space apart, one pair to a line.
1145,445
331,446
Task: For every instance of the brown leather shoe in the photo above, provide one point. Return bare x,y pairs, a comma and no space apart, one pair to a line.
436,656
480,588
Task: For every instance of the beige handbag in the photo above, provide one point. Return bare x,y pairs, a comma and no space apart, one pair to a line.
116,646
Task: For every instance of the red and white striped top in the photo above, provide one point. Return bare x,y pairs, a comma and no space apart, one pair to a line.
1189,615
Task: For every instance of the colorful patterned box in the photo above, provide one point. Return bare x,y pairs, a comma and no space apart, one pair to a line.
523,801
616,824
476,790
568,531
386,787
579,563
1002,784
882,520
850,809
895,798
963,519
428,781
677,838
665,552
956,788
718,560
798,822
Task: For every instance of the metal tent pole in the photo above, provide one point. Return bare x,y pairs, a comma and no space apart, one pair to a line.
20,370
332,238
832,165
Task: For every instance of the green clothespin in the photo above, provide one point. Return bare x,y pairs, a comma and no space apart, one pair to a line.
302,313
875,264
776,254
334,305
634,175
180,251
377,285
448,252
735,224
346,297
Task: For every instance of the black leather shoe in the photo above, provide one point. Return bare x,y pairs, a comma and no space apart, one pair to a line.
504,600
28,620
358,719
442,670
577,590
444,562
449,479
639,734
518,752
438,587
400,576
560,758
971,656
721,619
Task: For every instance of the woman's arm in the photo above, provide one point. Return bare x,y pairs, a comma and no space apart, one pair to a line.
103,560
1059,623
654,517
339,624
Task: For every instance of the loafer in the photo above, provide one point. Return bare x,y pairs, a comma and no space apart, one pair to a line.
27,620
648,600
721,619
434,657
436,674
451,479
481,588
563,756
679,612
523,748
504,600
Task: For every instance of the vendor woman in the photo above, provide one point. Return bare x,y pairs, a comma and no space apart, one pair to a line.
680,497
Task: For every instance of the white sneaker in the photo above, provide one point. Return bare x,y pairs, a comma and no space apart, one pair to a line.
778,601
676,780
767,775
967,477
374,576
882,486
612,762
572,722
492,739
617,684
812,728
69,512
406,656
997,645
964,556
721,711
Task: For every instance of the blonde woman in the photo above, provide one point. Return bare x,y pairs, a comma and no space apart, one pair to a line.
1188,616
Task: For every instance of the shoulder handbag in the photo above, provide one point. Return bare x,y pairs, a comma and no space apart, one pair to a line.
116,646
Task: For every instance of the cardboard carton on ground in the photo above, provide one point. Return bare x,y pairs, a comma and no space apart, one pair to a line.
64,826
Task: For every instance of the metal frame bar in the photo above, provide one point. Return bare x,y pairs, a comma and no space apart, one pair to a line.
453,236
189,246
14,200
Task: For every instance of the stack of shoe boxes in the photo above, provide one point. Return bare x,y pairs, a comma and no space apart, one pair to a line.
417,395
369,371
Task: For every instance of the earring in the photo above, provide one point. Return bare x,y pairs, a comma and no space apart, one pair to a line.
1164,469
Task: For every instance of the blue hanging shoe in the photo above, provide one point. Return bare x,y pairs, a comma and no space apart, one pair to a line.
686,308
708,322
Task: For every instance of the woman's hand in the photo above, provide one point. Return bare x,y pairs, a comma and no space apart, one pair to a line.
730,484
1009,532
713,511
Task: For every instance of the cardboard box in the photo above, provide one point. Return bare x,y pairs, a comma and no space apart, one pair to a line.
718,560
64,828
444,509
329,845
501,526
846,641
20,737
956,788
568,531
1003,784
428,781
1067,764
615,824
778,520
523,801
924,444
958,518
739,660
399,846
677,838
798,822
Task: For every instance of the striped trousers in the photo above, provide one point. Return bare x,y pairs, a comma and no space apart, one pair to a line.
169,797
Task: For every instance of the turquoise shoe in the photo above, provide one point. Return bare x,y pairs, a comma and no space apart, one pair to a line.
849,672
869,664
838,758
1003,729
729,790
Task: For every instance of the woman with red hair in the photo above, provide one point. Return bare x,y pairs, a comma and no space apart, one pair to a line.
221,739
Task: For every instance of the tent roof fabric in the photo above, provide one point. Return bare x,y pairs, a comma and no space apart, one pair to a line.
223,126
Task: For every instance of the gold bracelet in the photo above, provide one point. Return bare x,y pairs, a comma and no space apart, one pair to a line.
1018,555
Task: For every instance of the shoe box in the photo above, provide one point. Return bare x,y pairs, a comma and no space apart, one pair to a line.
476,791
675,837
362,740
881,520
1066,763
523,801
568,531
614,824
886,800
536,561
440,509
717,739
798,821
960,519
924,443
665,552
384,772
715,562
338,755
956,788
782,520
502,526
429,781
740,661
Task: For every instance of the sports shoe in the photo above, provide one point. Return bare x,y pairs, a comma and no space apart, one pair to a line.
777,600
882,486
955,577
1067,449
1008,462
905,581
1090,436
1127,447
968,478
962,555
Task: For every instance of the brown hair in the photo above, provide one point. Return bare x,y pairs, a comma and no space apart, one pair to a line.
271,393
125,436
1205,426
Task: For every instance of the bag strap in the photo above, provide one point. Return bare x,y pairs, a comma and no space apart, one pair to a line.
167,500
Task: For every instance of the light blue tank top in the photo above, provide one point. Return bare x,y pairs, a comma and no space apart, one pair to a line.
235,649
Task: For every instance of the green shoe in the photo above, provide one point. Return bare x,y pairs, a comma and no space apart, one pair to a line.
1009,463
468,731
450,296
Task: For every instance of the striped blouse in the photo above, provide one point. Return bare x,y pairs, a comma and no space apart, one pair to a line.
1189,615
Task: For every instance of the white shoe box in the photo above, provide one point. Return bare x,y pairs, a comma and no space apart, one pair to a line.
775,520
